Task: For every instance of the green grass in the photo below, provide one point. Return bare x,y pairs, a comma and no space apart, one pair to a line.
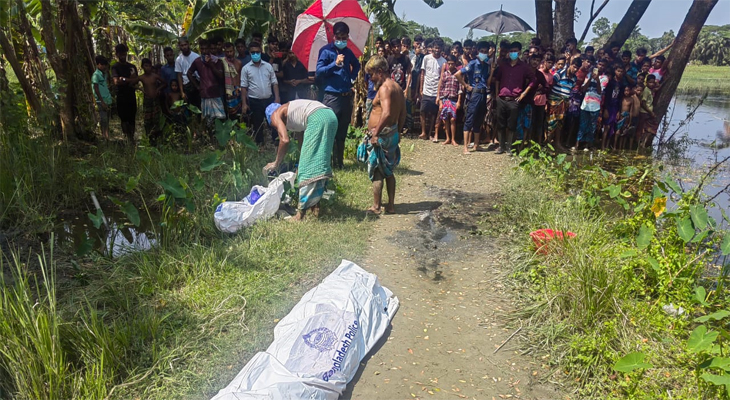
175,322
702,78
595,298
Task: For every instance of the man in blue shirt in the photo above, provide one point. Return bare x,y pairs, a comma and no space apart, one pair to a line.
337,67
167,72
477,73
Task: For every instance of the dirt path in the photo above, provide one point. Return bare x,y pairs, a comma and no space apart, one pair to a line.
450,286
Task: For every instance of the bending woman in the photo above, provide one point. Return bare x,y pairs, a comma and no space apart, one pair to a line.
319,124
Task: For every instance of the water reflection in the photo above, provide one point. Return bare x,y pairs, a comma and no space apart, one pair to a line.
116,240
709,134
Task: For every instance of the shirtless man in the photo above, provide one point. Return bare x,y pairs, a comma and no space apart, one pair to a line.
152,85
386,120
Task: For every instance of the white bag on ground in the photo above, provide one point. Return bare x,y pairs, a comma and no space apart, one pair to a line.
230,216
318,346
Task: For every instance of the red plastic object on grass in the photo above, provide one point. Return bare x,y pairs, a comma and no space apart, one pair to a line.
542,237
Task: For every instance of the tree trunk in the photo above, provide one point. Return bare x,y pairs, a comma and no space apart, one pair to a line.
77,115
283,11
681,51
5,96
89,40
628,23
544,13
564,21
49,38
25,84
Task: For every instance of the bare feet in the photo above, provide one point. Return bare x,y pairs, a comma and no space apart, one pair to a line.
298,217
466,152
390,209
373,210
447,142
454,143
423,136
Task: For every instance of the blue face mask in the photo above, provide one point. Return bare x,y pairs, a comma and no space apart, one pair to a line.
340,44
482,56
255,57
514,55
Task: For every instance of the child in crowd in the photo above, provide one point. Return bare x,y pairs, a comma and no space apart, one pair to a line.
450,99
658,69
647,119
623,123
100,86
590,108
559,65
152,85
612,103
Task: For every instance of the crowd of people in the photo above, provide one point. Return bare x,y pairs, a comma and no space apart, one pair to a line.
224,80
502,93
477,93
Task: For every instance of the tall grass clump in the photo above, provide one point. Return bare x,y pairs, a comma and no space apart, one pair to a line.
41,354
627,286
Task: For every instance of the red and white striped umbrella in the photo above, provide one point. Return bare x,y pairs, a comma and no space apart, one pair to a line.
314,29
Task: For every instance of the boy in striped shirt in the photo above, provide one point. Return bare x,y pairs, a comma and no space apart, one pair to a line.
563,83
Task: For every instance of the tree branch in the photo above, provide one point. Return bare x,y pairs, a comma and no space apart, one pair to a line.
593,17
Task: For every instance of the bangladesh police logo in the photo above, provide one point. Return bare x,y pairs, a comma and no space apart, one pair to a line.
321,339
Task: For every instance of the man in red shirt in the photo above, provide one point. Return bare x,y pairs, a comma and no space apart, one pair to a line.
514,80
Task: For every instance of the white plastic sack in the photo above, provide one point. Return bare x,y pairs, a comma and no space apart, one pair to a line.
230,216
318,346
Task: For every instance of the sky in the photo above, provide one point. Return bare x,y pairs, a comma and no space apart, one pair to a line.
661,16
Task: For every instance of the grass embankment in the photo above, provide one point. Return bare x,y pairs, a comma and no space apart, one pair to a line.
177,321
595,303
704,78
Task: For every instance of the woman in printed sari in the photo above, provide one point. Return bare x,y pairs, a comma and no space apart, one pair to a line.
319,124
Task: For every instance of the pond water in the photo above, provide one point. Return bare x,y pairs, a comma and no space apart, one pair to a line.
709,142
115,239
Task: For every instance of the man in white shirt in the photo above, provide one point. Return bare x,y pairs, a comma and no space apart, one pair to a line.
182,63
258,81
430,75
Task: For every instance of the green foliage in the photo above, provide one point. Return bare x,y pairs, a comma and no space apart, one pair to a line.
713,46
619,293
152,34
631,362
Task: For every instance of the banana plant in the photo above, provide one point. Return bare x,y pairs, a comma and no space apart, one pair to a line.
198,16
384,13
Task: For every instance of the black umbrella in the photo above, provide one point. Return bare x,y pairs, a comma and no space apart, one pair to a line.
499,22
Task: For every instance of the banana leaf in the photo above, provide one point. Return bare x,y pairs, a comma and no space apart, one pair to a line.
205,15
243,28
224,32
33,8
151,34
257,14
390,23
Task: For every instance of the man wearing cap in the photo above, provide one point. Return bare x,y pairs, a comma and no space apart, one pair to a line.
337,67
319,124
